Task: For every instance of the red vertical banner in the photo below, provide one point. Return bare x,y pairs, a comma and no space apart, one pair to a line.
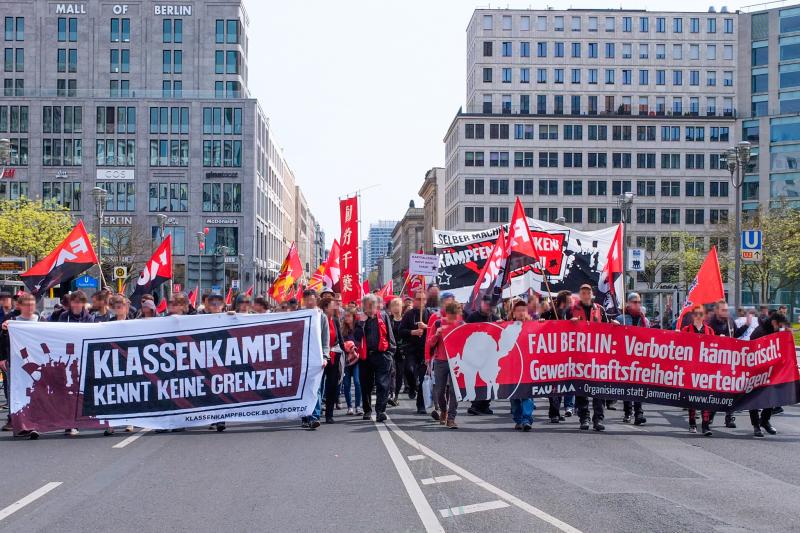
348,258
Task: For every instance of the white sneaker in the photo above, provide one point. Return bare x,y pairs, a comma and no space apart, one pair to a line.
349,410
129,429
71,432
359,411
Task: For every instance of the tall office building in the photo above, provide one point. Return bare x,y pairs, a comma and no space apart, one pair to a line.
378,244
148,101
569,110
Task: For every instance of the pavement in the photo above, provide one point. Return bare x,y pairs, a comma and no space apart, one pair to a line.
410,474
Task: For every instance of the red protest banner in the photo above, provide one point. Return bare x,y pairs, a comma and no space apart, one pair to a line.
524,359
348,242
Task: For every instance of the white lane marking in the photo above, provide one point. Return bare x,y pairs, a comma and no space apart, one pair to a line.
474,508
424,509
416,457
131,439
33,496
440,479
513,500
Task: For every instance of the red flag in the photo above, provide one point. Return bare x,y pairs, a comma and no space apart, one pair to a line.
387,290
73,256
249,292
162,306
519,242
365,288
229,296
706,287
193,296
348,212
611,285
318,278
291,270
155,272
332,274
493,276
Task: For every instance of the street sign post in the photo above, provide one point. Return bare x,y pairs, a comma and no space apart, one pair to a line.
120,272
235,284
12,265
86,282
752,246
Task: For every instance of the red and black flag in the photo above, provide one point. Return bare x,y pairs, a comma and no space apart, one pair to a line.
156,271
494,275
70,258
611,284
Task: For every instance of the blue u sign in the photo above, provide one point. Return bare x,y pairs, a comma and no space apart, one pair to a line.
751,240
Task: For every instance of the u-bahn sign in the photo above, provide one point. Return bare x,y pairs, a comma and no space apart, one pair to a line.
752,246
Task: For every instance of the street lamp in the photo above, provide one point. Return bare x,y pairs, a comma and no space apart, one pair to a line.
162,224
100,195
737,159
624,202
201,246
224,251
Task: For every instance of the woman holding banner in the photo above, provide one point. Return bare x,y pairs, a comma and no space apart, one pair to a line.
699,326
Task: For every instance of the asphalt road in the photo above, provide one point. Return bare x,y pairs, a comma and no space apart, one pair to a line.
409,475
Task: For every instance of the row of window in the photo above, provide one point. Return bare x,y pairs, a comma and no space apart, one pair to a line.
226,31
610,50
612,105
610,76
13,119
599,215
122,152
574,187
122,88
645,160
595,132
610,24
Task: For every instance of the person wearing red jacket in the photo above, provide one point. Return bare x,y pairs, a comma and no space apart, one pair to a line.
444,394
699,326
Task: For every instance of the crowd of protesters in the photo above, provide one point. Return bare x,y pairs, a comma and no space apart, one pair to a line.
393,346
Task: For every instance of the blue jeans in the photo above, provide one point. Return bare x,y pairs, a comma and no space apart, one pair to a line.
569,401
522,411
351,372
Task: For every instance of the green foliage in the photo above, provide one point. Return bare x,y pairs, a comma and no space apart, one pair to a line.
30,227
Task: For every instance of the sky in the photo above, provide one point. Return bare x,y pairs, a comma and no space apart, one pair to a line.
360,93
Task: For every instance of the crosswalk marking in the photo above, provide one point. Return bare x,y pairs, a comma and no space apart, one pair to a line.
474,508
416,457
440,479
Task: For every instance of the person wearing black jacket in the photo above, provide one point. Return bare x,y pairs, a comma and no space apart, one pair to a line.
723,325
76,312
413,332
333,371
374,335
777,322
483,314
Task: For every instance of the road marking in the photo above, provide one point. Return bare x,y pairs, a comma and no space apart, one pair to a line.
33,496
416,457
474,508
440,479
131,439
513,500
424,509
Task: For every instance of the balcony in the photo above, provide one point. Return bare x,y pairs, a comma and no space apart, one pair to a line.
620,111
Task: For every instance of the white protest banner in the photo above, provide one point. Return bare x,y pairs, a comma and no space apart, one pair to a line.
423,265
165,373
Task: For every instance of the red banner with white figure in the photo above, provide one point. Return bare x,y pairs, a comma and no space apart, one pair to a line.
531,359
348,255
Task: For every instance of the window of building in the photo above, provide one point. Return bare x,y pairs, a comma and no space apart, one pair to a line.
120,60
14,28
67,29
115,152
66,194
523,187
548,187
169,153
671,189
694,216
121,30
498,214
170,197
473,214
598,188
222,153
222,197
62,152
670,216
121,195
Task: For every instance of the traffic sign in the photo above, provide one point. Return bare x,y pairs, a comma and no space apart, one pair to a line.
235,284
636,260
120,272
86,282
216,289
752,246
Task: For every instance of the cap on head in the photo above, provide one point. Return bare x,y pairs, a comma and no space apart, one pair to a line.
586,287
446,295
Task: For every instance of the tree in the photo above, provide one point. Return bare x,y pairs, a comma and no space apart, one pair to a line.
128,246
31,227
780,266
